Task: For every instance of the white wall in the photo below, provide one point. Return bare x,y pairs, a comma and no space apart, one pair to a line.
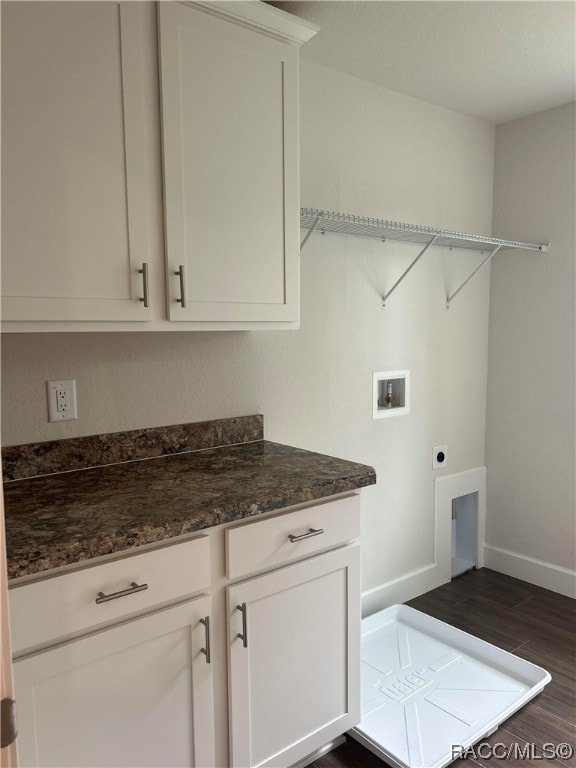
368,151
532,382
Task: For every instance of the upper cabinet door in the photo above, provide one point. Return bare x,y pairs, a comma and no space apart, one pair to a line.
73,167
230,151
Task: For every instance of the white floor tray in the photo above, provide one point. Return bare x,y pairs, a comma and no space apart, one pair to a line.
428,687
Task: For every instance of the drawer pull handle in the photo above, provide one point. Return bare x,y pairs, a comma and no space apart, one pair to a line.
132,589
206,651
244,636
308,535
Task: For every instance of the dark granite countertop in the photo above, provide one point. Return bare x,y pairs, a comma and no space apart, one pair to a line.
69,517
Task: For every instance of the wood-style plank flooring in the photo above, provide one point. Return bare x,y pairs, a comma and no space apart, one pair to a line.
529,621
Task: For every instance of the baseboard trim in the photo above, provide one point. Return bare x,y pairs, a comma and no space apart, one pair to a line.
404,588
334,744
539,572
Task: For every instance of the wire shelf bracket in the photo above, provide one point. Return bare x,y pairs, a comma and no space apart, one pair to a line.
310,232
478,268
313,220
403,275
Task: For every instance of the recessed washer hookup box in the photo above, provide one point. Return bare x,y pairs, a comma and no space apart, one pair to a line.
428,688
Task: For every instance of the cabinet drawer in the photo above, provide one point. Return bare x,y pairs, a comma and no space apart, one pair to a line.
268,543
55,607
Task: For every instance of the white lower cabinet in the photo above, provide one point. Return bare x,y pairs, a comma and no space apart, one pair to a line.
294,660
136,694
165,658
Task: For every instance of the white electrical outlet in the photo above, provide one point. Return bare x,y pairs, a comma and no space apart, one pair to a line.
439,457
61,400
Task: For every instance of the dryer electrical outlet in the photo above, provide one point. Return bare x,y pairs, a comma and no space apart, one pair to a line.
439,457
61,400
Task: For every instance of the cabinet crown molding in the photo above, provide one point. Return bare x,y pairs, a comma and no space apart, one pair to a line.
267,19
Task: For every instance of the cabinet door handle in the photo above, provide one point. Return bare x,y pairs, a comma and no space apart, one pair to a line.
308,535
206,651
132,589
182,299
144,273
244,636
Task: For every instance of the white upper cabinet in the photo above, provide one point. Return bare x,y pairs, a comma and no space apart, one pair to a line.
73,183
229,96
98,167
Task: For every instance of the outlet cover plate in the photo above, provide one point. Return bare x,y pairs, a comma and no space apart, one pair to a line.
61,395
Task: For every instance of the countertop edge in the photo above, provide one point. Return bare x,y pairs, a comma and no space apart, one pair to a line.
127,542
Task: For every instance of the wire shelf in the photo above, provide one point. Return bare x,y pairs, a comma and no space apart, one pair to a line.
315,220
378,229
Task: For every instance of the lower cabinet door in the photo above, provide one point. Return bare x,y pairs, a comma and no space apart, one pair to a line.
136,694
294,659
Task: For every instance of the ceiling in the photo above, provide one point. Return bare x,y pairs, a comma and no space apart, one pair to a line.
492,59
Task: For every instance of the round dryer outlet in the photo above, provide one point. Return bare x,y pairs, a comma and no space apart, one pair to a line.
440,457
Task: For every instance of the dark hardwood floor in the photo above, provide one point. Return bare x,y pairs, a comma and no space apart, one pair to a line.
531,622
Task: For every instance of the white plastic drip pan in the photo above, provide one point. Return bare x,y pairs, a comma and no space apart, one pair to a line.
428,687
